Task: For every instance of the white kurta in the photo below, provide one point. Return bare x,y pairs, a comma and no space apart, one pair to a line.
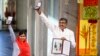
16,50
58,33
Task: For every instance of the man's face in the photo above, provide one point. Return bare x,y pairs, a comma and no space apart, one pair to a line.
62,24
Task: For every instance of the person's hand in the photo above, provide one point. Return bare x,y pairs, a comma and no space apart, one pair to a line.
9,20
38,8
63,38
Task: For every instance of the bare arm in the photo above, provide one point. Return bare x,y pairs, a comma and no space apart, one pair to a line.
12,34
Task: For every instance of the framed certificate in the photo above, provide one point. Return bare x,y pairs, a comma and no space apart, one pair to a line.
60,46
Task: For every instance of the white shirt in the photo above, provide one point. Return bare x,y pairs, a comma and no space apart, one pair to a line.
16,50
58,33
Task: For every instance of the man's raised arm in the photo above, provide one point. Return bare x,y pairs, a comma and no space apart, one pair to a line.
45,19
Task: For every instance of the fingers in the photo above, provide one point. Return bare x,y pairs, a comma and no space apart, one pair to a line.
63,38
36,8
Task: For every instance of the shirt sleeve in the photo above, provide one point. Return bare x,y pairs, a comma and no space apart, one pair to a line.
12,34
73,43
46,21
16,50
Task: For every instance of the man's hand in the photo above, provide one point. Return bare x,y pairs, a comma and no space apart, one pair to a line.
38,8
63,38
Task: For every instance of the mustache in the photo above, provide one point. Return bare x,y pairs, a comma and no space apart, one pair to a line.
61,25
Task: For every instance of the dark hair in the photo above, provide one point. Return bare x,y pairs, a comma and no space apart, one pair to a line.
63,19
22,32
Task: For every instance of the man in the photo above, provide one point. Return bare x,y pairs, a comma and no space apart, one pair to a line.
60,31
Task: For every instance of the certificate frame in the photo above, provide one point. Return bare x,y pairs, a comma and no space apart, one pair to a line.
55,44
58,46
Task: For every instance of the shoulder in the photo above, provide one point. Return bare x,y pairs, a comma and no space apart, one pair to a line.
69,31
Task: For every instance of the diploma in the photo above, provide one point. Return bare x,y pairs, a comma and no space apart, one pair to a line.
66,47
60,46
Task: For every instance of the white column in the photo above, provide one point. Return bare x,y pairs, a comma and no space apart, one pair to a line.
21,14
40,33
37,33
30,34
